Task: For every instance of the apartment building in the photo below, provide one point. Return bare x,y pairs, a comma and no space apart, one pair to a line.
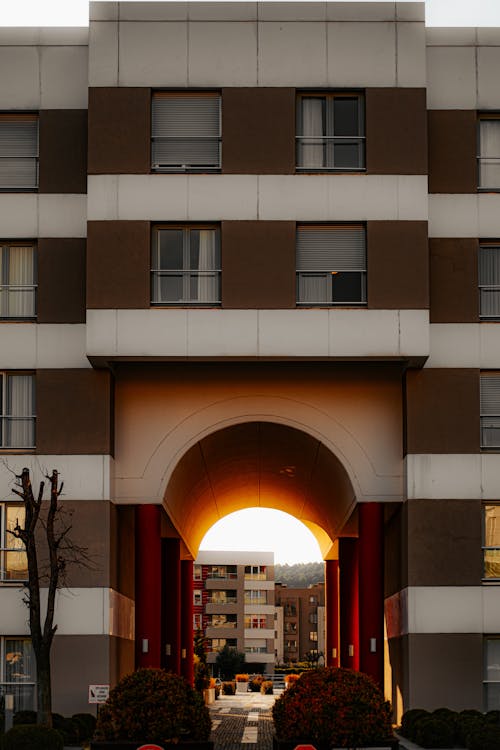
302,620
233,600
250,257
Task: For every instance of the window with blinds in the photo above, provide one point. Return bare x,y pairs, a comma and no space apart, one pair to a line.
18,152
489,152
330,132
17,281
490,410
331,264
489,282
186,132
186,265
17,417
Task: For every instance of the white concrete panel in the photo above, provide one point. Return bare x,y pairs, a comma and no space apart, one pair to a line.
488,35
488,65
20,89
444,476
222,54
413,197
85,477
346,11
452,36
411,55
222,333
217,11
445,609
360,197
261,632
104,10
451,74
363,333
62,215
156,197
101,330
17,345
292,54
294,197
414,333
64,77
293,333
152,332
61,345
19,215
102,197
454,345
103,53
296,11
489,337
454,215
488,212
258,586
222,197
14,618
154,11
410,11
490,476
153,54
82,611
361,54
258,609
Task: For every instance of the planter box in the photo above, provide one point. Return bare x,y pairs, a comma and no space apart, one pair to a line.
133,745
242,687
209,696
389,744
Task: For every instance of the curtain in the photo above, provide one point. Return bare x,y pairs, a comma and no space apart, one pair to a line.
490,153
312,126
20,423
20,673
314,289
207,282
20,302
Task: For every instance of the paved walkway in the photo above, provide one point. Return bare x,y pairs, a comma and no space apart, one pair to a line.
242,722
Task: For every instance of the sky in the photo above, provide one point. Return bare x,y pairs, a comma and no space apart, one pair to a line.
75,12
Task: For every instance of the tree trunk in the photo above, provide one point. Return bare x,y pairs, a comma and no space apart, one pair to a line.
43,688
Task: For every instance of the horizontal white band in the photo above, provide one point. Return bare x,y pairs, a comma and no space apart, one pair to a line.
85,477
44,345
41,215
458,476
464,215
464,345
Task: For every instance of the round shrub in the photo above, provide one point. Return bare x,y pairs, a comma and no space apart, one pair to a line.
333,707
492,717
228,688
449,717
87,723
32,737
433,732
267,687
409,721
256,683
486,737
24,717
153,705
468,721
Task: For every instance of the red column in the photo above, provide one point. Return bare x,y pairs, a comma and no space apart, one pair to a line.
187,653
171,565
349,603
147,586
332,613
371,590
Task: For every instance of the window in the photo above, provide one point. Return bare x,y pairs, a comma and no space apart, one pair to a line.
197,573
313,599
330,132
491,541
18,152
313,635
331,264
492,673
197,598
222,571
222,597
197,622
17,281
255,647
489,281
255,597
313,618
255,572
290,627
252,622
17,419
489,152
291,645
13,564
490,410
186,265
223,621
17,672
216,644
186,132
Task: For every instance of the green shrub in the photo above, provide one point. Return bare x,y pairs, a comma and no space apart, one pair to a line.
409,721
153,705
24,717
267,687
72,731
228,688
334,707
492,717
449,717
32,737
433,733
87,722
468,721
486,737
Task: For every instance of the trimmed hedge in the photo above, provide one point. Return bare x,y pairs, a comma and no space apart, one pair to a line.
32,737
433,733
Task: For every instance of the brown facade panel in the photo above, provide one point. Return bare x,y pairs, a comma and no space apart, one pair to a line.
121,658
61,280
122,558
119,130
452,151
74,409
396,131
444,543
442,411
78,661
398,265
395,554
118,264
63,151
258,130
454,280
258,264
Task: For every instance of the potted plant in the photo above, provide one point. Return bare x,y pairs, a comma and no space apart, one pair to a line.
242,683
290,679
209,692
152,706
333,708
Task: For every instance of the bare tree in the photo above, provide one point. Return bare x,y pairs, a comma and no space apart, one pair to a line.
46,568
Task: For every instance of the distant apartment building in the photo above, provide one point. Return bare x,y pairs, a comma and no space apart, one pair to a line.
300,623
233,605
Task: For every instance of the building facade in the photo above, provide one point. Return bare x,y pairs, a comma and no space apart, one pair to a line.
302,619
233,599
250,257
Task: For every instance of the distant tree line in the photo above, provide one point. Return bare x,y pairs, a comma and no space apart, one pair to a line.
300,575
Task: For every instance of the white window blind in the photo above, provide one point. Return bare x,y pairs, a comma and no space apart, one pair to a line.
186,132
490,411
17,281
489,153
489,281
331,264
18,152
17,419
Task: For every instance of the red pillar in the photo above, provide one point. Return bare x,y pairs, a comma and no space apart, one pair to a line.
371,590
147,586
171,565
187,652
349,603
332,613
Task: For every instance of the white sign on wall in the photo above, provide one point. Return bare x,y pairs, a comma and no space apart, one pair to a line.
98,693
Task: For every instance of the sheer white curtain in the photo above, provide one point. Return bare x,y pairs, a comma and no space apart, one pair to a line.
21,295
207,261
315,289
20,422
312,126
490,154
